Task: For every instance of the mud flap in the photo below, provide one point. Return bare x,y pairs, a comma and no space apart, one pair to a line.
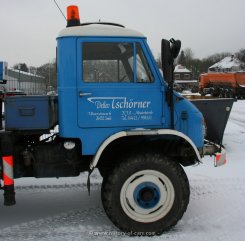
88,180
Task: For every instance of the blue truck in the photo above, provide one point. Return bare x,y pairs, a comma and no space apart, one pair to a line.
117,112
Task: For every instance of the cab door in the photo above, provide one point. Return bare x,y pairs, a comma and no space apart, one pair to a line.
117,86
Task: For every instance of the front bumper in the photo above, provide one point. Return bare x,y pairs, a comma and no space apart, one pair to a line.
216,150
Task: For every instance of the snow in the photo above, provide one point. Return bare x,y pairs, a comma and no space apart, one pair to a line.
99,30
25,73
181,69
186,81
228,62
61,210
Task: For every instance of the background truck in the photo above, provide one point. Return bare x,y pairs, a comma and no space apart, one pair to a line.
226,85
114,112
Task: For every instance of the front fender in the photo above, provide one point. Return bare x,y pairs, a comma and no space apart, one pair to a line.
141,132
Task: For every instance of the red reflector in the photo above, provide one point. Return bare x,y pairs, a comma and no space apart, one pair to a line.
220,159
7,180
9,160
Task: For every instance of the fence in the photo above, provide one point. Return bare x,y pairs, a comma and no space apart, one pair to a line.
29,83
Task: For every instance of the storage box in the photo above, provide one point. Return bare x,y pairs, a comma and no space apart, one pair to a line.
30,112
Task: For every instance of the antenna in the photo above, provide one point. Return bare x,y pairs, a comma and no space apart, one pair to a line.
60,9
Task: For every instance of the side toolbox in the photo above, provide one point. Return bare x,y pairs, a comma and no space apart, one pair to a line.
30,112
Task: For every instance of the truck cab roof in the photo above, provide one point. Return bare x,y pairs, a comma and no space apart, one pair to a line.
99,30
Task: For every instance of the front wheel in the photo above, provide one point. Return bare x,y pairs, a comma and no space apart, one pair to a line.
146,194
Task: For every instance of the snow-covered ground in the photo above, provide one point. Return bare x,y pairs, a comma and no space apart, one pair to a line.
57,210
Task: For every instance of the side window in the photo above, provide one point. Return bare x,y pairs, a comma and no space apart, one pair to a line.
143,71
114,62
177,76
107,62
187,76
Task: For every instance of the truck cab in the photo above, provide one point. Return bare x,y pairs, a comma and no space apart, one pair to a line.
110,82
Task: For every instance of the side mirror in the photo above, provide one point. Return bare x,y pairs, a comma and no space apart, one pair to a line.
169,52
167,60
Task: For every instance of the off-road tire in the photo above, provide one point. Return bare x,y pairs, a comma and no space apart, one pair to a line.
114,184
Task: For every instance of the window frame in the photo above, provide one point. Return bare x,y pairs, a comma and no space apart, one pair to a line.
177,76
144,63
80,44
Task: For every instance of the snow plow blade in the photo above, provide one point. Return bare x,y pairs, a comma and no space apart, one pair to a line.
216,113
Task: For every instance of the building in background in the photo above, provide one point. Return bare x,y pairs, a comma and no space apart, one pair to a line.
182,73
29,83
228,64
183,79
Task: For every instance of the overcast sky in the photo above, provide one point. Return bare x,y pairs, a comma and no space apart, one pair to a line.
28,28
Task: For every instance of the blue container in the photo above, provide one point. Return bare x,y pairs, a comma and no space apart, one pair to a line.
30,112
3,72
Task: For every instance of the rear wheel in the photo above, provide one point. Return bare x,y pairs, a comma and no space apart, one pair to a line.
146,194
231,95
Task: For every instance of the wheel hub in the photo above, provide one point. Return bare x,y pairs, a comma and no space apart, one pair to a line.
147,195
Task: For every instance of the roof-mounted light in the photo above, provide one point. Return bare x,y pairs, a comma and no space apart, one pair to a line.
73,18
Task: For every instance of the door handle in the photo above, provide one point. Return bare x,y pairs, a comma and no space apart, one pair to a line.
81,94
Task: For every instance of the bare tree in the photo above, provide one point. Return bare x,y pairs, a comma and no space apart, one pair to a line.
21,67
181,59
241,56
189,55
48,71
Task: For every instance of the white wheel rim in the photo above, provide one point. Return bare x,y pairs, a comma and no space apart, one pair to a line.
163,192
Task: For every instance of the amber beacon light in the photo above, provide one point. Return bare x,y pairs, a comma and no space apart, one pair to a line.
73,18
